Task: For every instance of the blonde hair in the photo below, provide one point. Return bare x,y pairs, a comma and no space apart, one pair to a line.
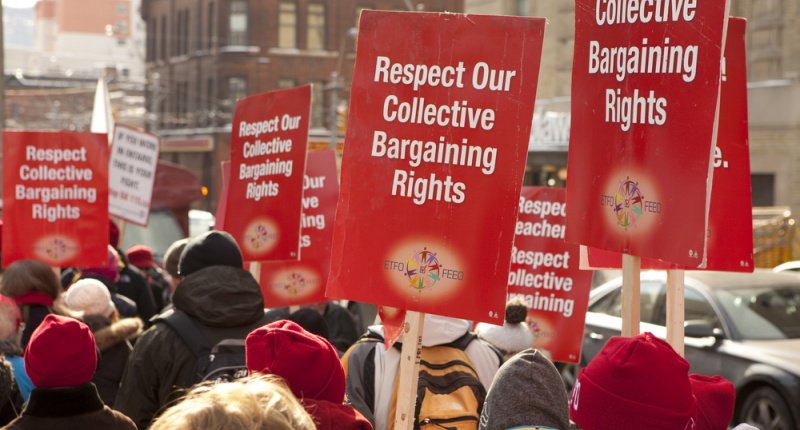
252,403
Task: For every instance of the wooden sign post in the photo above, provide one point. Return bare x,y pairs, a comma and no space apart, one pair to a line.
675,309
631,266
409,371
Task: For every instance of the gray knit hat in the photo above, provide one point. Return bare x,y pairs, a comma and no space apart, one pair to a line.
527,391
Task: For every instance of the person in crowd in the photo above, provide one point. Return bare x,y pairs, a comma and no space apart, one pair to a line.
221,298
514,335
715,398
371,369
35,288
527,392
141,257
311,321
310,365
634,383
112,334
341,326
10,350
131,282
253,403
10,398
108,274
172,257
60,359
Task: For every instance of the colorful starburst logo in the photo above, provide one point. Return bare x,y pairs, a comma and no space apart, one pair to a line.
628,203
423,270
294,284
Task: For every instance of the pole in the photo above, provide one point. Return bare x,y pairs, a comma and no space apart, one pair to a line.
675,310
631,271
409,371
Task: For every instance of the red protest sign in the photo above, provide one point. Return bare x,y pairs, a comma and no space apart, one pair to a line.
269,140
287,283
730,221
645,86
545,274
436,149
55,198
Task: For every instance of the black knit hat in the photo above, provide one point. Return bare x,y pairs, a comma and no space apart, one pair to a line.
215,248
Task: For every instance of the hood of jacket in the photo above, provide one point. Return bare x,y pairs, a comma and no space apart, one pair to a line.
332,416
220,296
113,334
437,330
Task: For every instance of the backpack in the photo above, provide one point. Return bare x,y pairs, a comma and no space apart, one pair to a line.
220,352
450,394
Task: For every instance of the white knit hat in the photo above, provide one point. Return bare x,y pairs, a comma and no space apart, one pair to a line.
89,296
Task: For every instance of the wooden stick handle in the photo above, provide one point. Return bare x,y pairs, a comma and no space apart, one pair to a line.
675,309
409,371
631,271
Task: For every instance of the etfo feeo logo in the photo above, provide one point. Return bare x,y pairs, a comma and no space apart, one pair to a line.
629,204
423,270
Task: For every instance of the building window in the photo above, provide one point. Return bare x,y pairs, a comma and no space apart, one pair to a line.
318,104
211,106
237,89
210,25
522,8
287,25
316,26
152,31
122,8
238,23
163,50
286,83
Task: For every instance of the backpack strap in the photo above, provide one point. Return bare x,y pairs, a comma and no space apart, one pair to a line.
187,329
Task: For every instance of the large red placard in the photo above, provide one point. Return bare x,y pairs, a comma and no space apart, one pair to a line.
730,220
287,283
645,88
545,274
55,198
269,140
435,152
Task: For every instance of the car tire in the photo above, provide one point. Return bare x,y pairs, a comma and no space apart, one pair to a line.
765,409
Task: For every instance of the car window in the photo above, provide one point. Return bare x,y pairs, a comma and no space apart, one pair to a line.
649,292
696,307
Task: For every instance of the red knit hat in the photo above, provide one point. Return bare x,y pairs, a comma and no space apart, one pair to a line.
715,400
309,364
141,256
61,353
634,383
332,416
113,233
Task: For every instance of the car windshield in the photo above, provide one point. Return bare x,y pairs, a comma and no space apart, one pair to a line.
763,313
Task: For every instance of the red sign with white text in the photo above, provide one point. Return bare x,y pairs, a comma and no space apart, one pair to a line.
287,283
730,219
436,151
269,140
55,198
219,216
645,87
545,274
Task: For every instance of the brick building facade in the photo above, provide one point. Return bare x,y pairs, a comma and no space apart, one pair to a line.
203,55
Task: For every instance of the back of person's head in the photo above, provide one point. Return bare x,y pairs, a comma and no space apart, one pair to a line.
716,398
214,248
61,353
91,297
309,363
10,318
311,320
25,276
172,256
253,403
634,383
110,269
526,391
514,335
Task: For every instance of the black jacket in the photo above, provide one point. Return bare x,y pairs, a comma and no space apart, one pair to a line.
161,366
113,342
73,408
132,283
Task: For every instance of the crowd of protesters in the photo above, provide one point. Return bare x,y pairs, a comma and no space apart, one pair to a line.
189,345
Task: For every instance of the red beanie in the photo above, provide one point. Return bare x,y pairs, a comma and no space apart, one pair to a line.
141,256
113,234
634,383
309,364
61,353
715,400
334,416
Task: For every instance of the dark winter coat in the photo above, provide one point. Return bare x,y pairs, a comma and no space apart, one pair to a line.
161,366
132,283
33,315
72,408
113,342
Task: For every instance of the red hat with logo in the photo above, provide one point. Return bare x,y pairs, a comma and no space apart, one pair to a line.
715,401
141,256
309,363
61,353
634,383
